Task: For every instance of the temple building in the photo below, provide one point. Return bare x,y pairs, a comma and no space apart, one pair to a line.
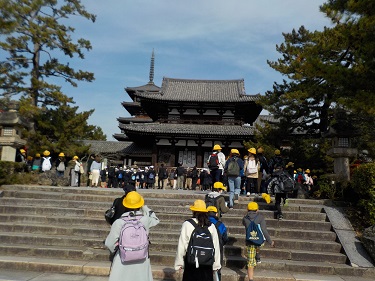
183,119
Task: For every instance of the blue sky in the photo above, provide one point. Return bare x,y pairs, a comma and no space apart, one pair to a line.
194,39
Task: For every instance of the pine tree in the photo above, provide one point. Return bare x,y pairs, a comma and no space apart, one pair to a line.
34,33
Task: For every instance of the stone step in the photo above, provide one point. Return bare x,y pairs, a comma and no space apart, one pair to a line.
25,199
228,220
166,225
159,243
108,193
77,210
65,225
161,253
279,270
172,230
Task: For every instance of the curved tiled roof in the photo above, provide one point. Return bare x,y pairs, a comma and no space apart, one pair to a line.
188,90
149,87
127,120
188,129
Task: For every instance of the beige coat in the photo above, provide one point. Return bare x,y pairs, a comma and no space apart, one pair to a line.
251,175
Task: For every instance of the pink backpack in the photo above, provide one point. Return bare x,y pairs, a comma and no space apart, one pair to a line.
133,241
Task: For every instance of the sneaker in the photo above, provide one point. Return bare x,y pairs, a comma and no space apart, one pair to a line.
257,258
280,217
248,194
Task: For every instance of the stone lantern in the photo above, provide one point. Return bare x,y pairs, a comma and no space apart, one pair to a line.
341,133
11,125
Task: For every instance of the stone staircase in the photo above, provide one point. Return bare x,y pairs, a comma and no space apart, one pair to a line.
61,229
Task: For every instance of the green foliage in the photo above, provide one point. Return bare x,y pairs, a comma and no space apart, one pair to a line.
61,129
363,183
14,173
33,33
326,70
327,188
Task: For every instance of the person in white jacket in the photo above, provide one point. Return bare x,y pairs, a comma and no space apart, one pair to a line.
191,271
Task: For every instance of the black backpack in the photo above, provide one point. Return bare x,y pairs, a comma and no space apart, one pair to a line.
212,201
285,182
213,162
254,233
200,250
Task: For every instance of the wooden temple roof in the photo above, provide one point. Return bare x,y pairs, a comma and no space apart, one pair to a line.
187,129
187,90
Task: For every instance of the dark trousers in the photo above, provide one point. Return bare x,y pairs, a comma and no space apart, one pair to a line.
278,198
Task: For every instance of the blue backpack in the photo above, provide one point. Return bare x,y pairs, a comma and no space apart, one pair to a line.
254,233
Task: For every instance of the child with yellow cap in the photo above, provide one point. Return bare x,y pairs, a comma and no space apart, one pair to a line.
253,256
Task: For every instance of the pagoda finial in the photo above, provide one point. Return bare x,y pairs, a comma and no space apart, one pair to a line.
152,68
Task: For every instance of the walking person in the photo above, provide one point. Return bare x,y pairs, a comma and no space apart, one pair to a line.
162,176
74,171
180,171
280,184
60,165
222,232
251,172
95,169
215,163
193,270
263,171
252,250
216,198
135,270
232,170
194,178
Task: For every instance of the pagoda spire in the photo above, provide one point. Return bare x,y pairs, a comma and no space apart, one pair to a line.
152,68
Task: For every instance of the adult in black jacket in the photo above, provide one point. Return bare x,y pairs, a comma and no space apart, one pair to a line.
162,176
117,203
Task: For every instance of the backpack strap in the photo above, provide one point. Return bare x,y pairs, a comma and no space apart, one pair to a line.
193,222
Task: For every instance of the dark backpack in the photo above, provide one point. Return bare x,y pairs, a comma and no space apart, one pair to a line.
284,183
212,201
119,175
254,233
213,162
200,250
233,169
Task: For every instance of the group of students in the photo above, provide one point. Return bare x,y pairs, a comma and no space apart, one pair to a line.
200,249
43,163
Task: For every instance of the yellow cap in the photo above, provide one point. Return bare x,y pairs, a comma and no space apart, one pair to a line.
217,147
46,153
199,206
219,185
277,152
22,150
266,197
307,171
37,155
235,151
260,150
133,200
75,157
212,209
61,154
252,150
252,206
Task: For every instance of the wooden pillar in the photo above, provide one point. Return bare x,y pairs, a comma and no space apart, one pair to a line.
154,157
